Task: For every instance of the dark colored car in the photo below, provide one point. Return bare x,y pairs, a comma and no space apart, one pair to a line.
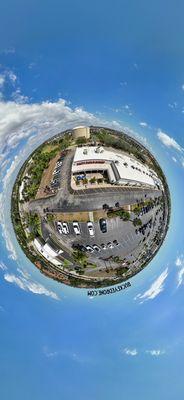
103,225
78,247
115,242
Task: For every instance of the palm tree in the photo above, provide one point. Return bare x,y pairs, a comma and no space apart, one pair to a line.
80,257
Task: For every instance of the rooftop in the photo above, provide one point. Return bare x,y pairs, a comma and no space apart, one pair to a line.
127,167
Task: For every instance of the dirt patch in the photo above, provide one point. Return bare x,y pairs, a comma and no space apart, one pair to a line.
83,216
46,178
69,217
101,274
99,214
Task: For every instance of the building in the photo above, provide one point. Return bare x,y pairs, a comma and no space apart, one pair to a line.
121,169
48,251
81,131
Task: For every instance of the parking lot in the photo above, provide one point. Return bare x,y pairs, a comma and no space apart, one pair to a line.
131,242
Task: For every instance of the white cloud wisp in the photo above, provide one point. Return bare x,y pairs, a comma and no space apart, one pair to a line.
29,285
169,141
155,289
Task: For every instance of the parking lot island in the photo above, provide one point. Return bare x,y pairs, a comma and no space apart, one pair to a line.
91,207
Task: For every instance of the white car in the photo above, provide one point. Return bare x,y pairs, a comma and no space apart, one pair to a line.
59,227
65,228
76,228
95,247
91,228
89,248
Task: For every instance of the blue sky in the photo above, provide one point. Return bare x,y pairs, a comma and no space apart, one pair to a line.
115,63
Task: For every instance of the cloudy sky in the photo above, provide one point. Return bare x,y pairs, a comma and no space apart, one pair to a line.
120,64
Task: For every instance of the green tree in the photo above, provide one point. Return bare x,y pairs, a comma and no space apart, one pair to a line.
137,222
50,217
81,140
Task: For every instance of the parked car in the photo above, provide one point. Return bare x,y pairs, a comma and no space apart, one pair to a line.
76,228
110,245
115,242
65,228
103,225
56,172
91,228
95,247
59,227
89,248
103,246
77,246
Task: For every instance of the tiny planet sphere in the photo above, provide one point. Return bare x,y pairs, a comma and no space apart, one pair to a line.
91,207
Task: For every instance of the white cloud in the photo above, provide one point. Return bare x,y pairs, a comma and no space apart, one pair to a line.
155,352
10,171
50,354
31,65
173,105
179,261
180,276
168,141
18,97
29,285
143,124
7,76
179,161
155,289
24,273
6,233
9,50
182,162
19,121
130,352
11,75
182,86
180,273
3,266
2,80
